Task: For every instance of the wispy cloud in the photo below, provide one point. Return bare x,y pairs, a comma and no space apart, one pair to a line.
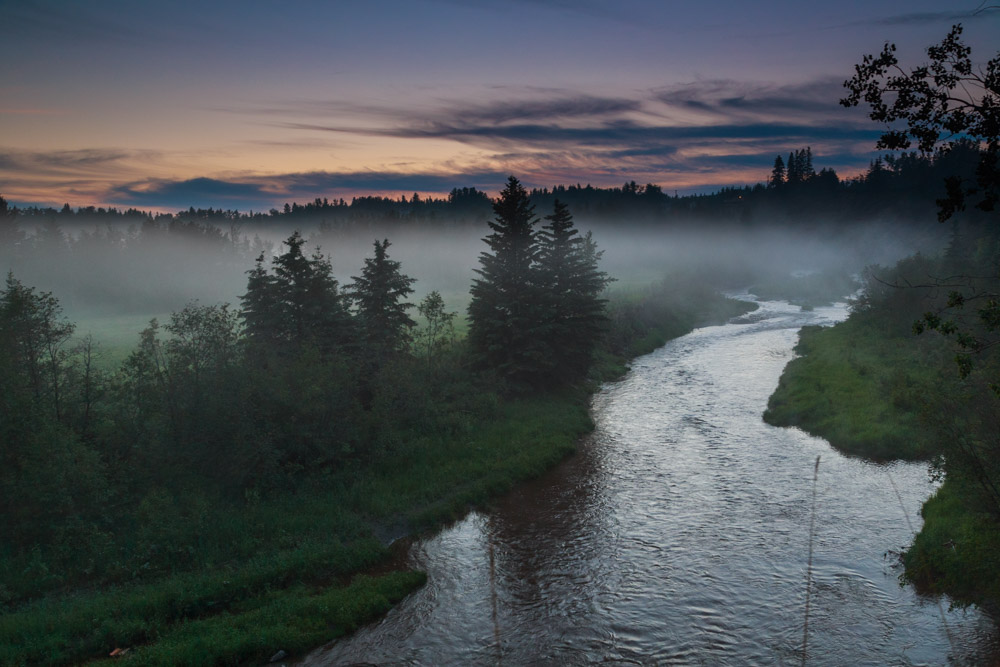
813,102
658,122
701,134
70,162
263,192
921,18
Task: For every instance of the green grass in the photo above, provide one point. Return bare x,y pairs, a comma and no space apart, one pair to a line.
434,481
858,389
869,393
957,551
116,335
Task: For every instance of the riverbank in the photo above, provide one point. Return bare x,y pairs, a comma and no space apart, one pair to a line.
873,390
858,389
228,583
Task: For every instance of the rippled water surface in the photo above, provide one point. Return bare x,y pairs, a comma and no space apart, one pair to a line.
679,535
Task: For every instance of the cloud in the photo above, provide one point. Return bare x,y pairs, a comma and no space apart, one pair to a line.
814,102
619,134
554,104
192,192
921,18
656,122
262,192
704,133
69,162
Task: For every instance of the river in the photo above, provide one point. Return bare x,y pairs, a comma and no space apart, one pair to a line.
679,534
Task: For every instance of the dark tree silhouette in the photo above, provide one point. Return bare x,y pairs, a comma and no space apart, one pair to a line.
300,303
777,173
259,307
570,284
505,311
379,293
937,104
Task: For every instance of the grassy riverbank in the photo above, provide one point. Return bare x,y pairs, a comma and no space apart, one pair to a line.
874,389
861,391
957,551
191,577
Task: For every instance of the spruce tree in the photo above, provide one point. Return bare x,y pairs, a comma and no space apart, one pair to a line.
570,283
794,175
298,304
327,309
379,293
777,174
505,313
259,307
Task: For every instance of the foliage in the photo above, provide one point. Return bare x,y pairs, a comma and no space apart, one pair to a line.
571,285
378,294
505,309
948,96
309,307
957,551
947,105
874,389
187,503
536,313
856,388
48,475
438,331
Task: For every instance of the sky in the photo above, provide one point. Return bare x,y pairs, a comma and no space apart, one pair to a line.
253,103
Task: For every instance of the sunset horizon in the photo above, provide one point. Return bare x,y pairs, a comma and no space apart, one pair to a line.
249,106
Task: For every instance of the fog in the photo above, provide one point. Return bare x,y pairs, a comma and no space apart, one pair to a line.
106,270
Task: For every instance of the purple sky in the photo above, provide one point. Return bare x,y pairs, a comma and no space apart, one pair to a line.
254,103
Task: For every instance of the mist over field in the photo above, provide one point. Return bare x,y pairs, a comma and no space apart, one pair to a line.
103,269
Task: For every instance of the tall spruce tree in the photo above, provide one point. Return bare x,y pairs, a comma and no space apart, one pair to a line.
793,174
505,311
570,284
379,294
777,174
259,307
300,303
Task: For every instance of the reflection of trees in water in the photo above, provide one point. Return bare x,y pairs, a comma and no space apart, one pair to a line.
548,535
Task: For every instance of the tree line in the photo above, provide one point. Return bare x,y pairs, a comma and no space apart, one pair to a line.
915,180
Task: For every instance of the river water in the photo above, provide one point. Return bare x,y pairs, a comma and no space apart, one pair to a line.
679,534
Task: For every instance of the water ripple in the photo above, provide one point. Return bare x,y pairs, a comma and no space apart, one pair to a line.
679,535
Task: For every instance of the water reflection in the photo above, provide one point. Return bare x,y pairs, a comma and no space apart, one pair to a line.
679,535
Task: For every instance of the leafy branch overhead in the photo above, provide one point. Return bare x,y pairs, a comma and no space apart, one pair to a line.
933,106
